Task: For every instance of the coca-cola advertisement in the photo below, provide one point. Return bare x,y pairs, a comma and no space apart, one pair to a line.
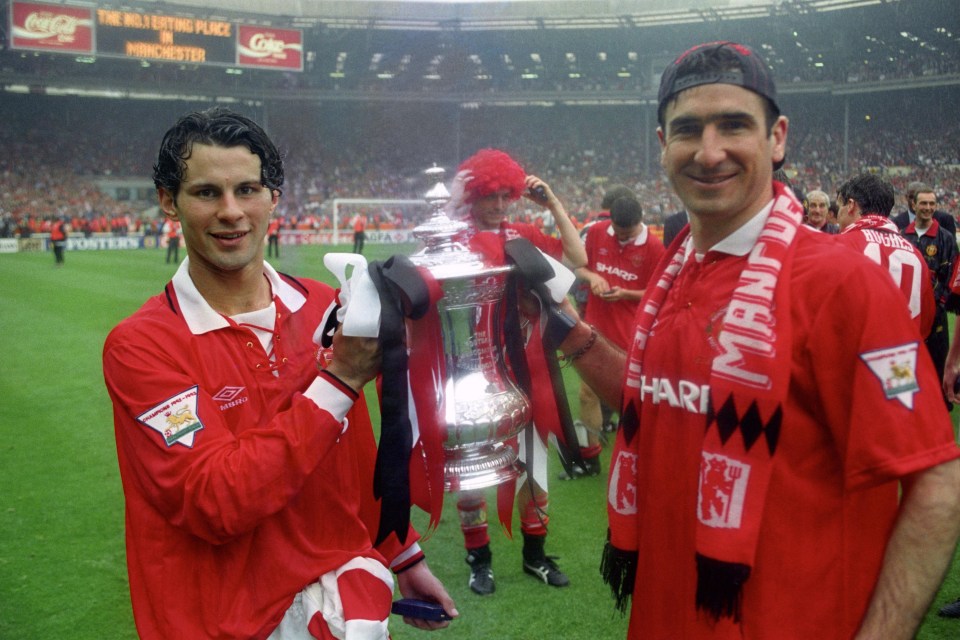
270,48
51,27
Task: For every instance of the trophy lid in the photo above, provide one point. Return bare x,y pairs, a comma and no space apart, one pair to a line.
444,256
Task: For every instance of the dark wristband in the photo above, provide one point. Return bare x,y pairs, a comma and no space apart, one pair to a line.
559,326
412,563
340,384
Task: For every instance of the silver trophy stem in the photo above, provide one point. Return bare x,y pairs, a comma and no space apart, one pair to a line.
484,409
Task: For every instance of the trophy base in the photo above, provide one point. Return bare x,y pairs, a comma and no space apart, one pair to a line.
480,468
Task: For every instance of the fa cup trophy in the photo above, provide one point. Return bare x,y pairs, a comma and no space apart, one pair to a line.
481,410
458,391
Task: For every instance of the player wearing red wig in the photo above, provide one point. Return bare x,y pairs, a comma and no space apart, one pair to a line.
486,185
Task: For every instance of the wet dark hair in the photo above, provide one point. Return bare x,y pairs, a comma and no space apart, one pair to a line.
613,192
874,194
221,127
626,212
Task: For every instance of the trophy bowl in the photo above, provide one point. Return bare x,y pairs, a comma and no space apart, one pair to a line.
483,410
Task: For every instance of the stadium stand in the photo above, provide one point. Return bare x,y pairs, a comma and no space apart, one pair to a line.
881,97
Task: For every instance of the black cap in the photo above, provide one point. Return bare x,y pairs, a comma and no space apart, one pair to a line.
753,74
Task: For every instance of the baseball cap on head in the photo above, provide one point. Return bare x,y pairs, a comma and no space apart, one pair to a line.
720,62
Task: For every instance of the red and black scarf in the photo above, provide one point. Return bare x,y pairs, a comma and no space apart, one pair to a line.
873,222
748,385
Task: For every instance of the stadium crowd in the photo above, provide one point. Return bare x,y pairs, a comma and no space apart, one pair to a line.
42,178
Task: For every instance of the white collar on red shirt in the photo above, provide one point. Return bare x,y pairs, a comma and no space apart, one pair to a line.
641,238
201,317
741,241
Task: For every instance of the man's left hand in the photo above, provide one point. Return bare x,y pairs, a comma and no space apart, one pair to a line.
419,582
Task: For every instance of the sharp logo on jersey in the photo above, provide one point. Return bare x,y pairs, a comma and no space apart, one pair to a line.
229,397
622,490
723,485
685,395
896,369
616,271
176,419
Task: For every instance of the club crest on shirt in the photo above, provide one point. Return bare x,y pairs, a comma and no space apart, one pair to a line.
714,325
931,250
896,369
723,485
176,418
622,490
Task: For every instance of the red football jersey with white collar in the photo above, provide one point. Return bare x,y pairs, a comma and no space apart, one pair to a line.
627,266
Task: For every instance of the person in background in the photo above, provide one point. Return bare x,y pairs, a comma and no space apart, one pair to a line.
246,452
621,257
818,212
673,225
775,392
908,215
359,232
59,231
486,185
173,241
273,238
581,294
939,248
865,226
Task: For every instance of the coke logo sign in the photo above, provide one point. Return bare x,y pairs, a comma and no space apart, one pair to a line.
263,43
49,24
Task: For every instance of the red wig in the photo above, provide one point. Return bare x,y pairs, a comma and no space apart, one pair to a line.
492,170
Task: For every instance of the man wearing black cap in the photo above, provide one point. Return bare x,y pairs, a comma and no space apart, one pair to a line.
775,401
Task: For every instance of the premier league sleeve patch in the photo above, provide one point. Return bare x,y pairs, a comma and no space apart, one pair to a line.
896,369
176,419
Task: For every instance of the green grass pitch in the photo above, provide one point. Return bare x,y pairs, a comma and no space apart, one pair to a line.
62,564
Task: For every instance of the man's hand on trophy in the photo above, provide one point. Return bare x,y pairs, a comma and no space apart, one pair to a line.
355,361
529,302
456,207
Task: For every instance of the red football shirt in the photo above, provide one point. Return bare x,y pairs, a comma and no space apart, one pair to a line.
626,266
903,262
850,431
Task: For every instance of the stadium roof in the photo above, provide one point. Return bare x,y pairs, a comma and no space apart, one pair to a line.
515,14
